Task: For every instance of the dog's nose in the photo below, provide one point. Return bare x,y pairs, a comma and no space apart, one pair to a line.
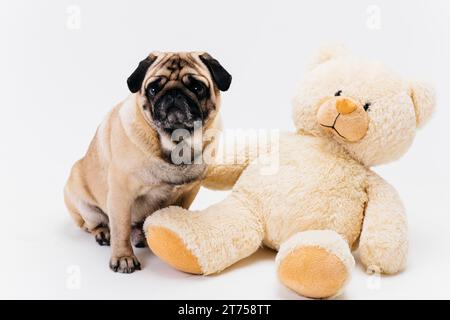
345,106
169,101
180,101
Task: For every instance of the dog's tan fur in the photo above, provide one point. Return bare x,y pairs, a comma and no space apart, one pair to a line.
123,177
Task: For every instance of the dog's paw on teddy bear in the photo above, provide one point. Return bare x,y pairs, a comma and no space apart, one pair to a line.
350,115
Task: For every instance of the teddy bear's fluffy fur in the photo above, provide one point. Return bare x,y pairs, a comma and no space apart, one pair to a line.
350,114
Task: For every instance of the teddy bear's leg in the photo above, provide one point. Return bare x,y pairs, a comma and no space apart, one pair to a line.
315,264
383,244
207,241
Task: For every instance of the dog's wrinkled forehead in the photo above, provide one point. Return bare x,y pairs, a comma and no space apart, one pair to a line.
174,66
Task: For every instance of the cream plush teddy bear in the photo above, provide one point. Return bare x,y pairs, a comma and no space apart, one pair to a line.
350,115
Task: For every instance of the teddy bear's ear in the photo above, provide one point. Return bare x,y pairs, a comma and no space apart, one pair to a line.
424,100
327,53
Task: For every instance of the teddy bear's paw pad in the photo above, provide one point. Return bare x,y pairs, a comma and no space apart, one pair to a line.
169,247
313,272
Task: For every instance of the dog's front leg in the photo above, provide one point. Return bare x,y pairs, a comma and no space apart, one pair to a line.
119,202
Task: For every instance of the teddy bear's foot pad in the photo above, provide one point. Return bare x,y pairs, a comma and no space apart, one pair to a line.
313,272
168,246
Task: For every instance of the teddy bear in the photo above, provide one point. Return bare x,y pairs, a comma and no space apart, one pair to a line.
323,201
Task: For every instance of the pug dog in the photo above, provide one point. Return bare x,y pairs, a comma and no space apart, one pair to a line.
129,170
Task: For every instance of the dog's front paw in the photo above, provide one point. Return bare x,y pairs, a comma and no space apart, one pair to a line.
125,264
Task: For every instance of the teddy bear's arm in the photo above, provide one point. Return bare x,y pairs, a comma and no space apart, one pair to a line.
383,244
229,165
222,176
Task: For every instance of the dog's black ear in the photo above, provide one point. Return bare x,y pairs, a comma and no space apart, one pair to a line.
135,80
220,76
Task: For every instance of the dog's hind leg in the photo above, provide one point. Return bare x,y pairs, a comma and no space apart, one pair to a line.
90,218
85,214
73,211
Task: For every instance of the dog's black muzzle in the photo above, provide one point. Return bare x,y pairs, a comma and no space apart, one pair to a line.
175,110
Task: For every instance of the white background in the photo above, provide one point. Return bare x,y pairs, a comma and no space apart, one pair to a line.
57,81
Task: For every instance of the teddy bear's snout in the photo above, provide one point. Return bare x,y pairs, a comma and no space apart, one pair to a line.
345,106
344,118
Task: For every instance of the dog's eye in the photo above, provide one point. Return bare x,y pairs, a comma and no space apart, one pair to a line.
338,94
367,106
198,88
153,88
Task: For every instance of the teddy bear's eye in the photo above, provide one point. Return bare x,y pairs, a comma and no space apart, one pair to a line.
337,94
367,106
